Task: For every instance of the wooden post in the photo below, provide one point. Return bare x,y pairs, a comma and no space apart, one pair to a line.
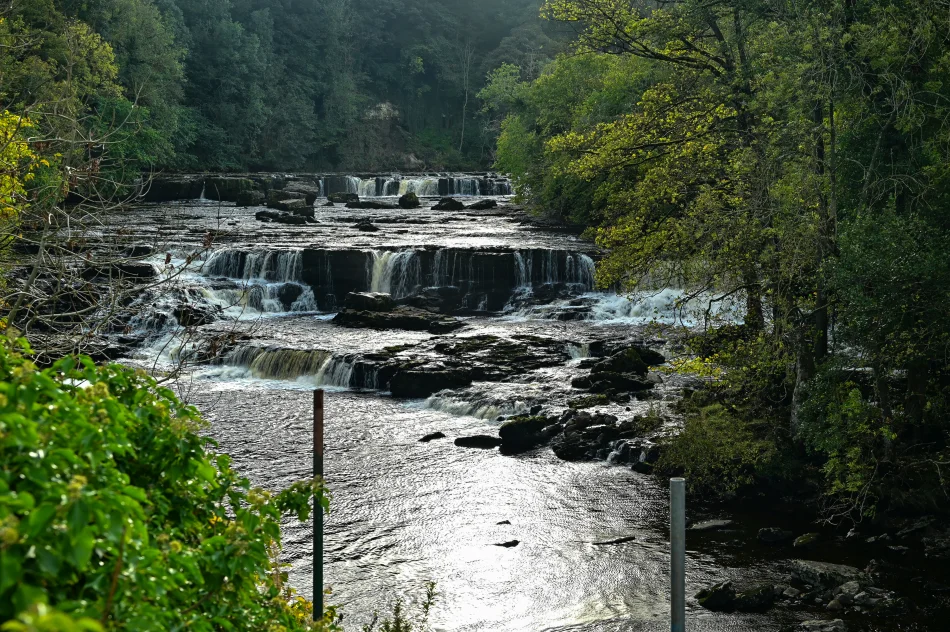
317,508
678,555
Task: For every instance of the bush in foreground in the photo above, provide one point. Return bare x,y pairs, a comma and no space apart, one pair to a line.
115,514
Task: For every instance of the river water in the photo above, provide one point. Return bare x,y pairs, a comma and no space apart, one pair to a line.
405,512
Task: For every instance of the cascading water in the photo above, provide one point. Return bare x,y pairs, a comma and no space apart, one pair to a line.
523,270
396,273
422,187
321,368
275,266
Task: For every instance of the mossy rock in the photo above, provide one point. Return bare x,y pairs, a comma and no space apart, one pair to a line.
588,401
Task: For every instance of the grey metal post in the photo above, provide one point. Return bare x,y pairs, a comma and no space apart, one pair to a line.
678,554
317,508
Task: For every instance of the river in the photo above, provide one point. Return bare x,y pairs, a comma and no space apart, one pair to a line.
405,512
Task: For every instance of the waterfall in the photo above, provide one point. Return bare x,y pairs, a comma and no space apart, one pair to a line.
420,186
204,187
481,407
319,367
353,184
578,351
523,269
396,273
277,266
367,188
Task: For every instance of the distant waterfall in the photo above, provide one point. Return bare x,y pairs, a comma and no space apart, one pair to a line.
429,185
421,187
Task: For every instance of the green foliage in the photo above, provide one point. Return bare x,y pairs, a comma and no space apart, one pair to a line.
573,95
115,514
719,453
852,437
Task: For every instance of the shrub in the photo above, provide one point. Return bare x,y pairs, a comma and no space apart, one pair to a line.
115,514
718,453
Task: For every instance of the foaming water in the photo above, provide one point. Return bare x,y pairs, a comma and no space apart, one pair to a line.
669,306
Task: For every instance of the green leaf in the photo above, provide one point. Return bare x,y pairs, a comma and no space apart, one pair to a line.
39,519
82,546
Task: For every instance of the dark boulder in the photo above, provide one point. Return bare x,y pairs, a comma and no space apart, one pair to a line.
509,545
250,198
482,442
226,189
367,227
718,598
297,207
522,433
370,302
432,437
267,216
449,204
128,270
483,205
288,294
774,535
292,220
627,361
172,188
825,574
276,197
404,317
189,315
759,599
604,382
343,198
409,200
421,383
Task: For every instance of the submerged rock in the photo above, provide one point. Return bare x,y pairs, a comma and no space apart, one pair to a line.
711,525
432,437
482,442
835,625
509,545
370,205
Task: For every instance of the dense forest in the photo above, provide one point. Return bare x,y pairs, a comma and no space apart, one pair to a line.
274,84
790,155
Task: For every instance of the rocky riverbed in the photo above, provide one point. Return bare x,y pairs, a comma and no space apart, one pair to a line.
493,420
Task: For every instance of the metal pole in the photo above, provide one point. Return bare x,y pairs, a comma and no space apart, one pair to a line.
317,508
678,554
